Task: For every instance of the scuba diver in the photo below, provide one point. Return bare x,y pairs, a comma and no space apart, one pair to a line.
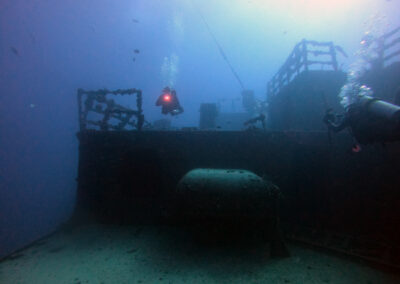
369,119
169,102
254,106
254,120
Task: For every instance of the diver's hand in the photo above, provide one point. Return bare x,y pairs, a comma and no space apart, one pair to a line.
329,117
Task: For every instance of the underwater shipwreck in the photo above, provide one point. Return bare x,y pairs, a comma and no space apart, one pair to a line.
325,195
290,181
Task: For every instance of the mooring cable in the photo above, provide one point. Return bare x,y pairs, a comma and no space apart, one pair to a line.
219,46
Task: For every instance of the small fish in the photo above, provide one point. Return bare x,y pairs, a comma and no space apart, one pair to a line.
133,59
14,50
284,32
136,51
32,105
135,21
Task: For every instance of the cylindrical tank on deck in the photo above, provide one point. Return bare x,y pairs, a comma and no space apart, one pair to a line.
225,193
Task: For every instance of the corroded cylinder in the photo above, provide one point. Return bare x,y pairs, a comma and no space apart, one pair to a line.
225,193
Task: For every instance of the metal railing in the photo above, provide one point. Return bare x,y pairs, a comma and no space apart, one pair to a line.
308,53
304,55
97,102
390,43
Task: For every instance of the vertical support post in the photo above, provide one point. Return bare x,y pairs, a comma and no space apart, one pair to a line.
332,51
381,52
304,53
140,116
82,125
298,59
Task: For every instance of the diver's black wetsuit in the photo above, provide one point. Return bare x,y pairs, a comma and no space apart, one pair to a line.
252,121
172,106
366,125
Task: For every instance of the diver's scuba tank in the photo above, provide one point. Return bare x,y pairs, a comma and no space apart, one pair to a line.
380,122
381,109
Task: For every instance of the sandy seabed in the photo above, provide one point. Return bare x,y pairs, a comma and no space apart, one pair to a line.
156,254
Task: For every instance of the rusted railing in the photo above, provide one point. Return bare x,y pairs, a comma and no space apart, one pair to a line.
305,54
90,102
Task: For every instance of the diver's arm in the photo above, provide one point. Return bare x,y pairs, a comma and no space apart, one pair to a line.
260,117
336,127
159,101
335,122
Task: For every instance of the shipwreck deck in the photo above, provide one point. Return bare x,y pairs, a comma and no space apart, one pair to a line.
158,254
126,177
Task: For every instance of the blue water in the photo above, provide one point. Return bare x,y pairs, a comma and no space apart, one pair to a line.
48,49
